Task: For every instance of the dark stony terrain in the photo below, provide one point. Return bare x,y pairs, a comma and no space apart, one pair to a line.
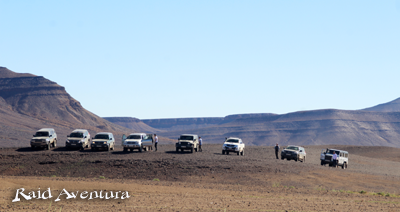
204,181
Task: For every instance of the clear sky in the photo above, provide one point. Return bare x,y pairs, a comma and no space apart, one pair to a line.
172,59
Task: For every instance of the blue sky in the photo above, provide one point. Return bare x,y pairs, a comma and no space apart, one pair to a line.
171,59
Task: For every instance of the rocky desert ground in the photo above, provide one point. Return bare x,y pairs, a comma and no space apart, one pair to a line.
202,181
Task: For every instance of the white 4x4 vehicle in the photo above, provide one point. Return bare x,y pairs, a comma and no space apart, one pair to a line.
45,137
140,141
79,138
233,145
103,140
342,158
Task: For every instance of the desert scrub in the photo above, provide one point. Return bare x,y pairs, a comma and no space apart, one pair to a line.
156,179
362,192
102,177
275,185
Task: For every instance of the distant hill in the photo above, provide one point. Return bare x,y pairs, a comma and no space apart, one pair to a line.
196,123
393,106
315,127
132,123
29,102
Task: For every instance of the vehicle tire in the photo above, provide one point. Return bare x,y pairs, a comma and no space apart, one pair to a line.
48,146
108,148
238,153
322,163
296,159
125,149
223,152
141,149
344,166
177,149
82,148
282,158
227,153
242,153
191,150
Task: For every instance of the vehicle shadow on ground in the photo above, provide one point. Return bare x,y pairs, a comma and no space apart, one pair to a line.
178,153
29,149
127,152
233,154
65,149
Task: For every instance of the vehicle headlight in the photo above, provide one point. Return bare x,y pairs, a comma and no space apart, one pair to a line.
67,141
105,142
93,142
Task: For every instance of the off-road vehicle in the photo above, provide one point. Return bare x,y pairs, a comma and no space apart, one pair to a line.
296,153
140,141
103,140
343,158
187,142
233,145
44,138
79,138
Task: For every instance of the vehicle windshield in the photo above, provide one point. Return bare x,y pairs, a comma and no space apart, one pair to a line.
332,152
76,135
232,141
186,137
134,137
41,134
101,136
293,148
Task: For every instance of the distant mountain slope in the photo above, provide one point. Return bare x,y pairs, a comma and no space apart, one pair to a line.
392,106
196,123
308,128
38,97
29,102
132,123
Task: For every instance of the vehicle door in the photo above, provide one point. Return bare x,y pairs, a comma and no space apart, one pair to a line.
322,157
147,140
123,139
301,151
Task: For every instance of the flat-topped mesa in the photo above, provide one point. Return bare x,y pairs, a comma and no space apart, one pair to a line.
38,97
132,123
7,73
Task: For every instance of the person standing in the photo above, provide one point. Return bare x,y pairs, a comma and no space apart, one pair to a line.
276,151
155,141
200,143
334,159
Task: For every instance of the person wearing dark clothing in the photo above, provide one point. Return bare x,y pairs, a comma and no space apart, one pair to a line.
155,141
276,151
200,144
